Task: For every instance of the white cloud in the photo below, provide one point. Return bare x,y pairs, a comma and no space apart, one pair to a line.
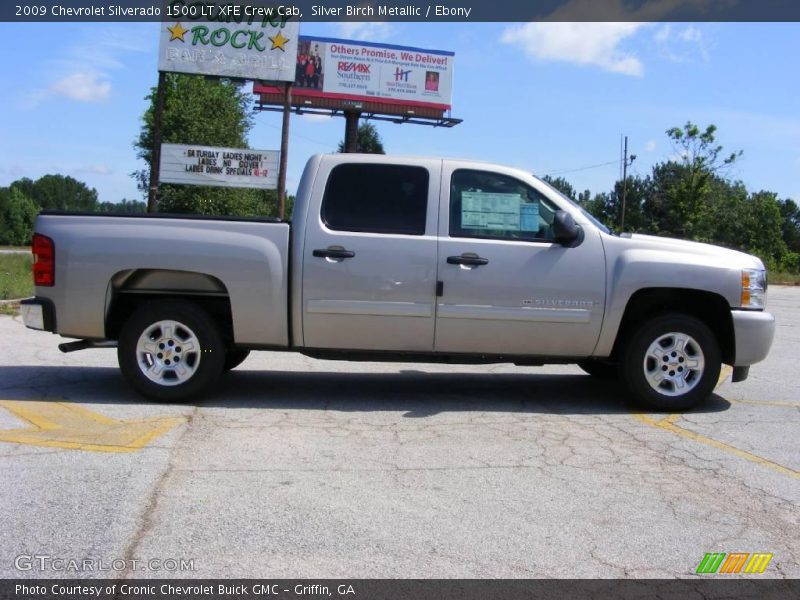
650,146
662,35
682,45
365,30
691,34
83,87
83,71
597,39
594,44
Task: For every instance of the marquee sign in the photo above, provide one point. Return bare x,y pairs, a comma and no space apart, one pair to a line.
223,167
264,49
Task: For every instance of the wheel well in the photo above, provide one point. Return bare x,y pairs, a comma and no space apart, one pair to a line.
128,290
709,307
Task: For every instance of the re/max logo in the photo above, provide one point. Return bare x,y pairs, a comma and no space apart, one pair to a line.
736,562
354,67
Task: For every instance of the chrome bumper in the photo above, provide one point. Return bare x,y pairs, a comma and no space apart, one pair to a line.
753,332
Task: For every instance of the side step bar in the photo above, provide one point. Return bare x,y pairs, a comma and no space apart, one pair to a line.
85,344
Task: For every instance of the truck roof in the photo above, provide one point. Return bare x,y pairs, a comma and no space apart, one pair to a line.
389,158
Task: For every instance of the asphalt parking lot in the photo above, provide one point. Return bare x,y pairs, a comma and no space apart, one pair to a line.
304,468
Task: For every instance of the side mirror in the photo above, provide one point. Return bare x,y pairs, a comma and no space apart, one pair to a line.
565,229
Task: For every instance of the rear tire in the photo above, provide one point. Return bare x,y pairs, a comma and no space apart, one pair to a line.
671,363
170,350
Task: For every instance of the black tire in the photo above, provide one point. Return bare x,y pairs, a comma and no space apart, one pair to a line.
233,358
600,369
184,323
639,367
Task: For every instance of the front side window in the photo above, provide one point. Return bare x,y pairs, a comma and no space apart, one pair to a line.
376,198
490,205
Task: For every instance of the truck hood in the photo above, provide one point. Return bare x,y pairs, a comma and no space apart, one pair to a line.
732,258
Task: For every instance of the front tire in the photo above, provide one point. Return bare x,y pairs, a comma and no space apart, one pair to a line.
671,363
170,350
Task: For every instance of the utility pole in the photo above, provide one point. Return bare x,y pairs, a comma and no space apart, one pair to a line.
287,109
155,158
626,162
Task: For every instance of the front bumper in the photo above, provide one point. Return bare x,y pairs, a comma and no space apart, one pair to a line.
753,332
38,313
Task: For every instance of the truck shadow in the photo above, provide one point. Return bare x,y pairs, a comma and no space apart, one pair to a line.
416,393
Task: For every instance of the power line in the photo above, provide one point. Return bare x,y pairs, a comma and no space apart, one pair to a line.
304,137
605,164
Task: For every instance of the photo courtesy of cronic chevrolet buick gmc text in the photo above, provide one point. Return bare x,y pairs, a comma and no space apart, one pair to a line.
403,259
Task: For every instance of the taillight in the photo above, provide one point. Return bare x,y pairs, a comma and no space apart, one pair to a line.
44,260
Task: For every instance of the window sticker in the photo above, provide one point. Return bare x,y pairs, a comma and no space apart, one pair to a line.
529,216
494,211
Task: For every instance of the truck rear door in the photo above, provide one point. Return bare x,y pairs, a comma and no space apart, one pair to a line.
369,255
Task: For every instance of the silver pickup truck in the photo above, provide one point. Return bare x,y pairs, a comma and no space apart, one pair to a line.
402,259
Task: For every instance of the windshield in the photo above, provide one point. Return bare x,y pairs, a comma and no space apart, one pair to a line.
584,212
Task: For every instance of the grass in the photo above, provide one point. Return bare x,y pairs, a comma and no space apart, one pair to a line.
783,278
15,276
24,248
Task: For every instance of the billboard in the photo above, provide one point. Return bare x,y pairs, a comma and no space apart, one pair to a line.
353,71
222,167
263,49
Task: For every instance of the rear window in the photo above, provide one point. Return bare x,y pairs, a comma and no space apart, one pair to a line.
376,198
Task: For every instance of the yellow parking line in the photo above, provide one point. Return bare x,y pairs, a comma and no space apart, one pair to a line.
670,419
72,426
668,425
724,373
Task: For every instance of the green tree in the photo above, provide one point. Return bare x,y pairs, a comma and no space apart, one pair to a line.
681,187
599,206
764,228
728,214
58,192
637,192
123,206
368,140
17,215
790,224
562,185
212,112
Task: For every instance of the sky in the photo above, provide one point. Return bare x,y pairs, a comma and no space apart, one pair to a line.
551,98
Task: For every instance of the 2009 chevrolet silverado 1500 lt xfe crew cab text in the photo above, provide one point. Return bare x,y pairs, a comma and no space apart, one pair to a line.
406,259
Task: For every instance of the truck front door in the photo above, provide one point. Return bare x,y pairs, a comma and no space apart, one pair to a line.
508,289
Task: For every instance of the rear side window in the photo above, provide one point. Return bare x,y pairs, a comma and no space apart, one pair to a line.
376,198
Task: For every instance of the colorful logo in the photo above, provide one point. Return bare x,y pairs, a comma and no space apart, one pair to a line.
736,562
347,67
401,75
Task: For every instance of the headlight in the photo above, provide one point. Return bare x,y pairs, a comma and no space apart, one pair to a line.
754,288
